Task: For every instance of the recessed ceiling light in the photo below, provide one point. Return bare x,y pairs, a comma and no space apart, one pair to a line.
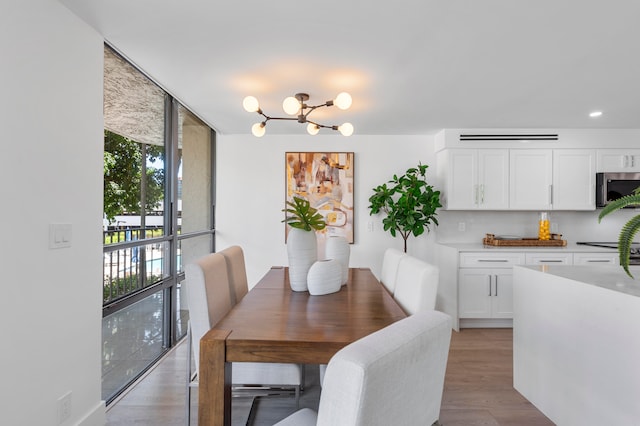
595,114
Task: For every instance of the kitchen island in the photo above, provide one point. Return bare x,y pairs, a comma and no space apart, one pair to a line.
576,343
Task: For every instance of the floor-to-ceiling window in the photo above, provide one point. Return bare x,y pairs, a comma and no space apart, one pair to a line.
194,195
158,214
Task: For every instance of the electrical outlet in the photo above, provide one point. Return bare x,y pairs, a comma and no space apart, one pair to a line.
462,226
370,226
64,407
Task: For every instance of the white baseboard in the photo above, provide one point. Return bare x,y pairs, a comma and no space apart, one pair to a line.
486,323
96,417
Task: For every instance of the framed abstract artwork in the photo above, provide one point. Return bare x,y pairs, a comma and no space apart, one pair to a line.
326,180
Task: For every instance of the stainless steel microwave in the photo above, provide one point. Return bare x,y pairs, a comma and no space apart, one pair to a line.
611,186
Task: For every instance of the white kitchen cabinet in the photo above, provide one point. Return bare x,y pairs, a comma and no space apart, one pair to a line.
559,179
518,179
475,179
485,293
608,258
476,285
551,258
530,179
618,160
574,173
485,285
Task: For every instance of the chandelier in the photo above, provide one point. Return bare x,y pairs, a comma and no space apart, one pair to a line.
296,105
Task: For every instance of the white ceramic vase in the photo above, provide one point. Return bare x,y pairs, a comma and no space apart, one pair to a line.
302,251
338,248
325,277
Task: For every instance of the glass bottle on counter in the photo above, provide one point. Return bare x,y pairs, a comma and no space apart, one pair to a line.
544,232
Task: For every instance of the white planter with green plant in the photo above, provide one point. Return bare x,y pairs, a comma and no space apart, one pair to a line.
302,245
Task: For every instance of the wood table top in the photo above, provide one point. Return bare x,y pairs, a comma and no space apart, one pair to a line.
272,323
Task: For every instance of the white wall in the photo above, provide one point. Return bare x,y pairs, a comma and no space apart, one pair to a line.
251,191
51,152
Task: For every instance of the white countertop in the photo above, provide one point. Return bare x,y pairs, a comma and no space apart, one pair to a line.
570,247
611,277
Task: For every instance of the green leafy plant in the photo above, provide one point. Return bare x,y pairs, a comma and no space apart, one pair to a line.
409,203
629,229
303,216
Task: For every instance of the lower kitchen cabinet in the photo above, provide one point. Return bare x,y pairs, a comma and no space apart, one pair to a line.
596,258
485,288
485,293
476,286
549,259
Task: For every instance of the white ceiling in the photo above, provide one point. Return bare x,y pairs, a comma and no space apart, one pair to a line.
412,66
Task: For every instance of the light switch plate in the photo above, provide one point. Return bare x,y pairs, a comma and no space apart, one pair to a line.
59,235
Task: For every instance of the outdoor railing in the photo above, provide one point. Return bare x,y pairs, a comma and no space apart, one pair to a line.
132,263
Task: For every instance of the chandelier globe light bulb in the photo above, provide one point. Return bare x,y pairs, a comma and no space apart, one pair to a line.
258,130
343,101
291,105
250,104
313,129
346,129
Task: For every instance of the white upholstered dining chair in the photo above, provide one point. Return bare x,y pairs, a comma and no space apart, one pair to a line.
416,285
239,287
238,283
394,376
209,299
390,261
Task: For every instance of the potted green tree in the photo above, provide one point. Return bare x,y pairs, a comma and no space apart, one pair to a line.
409,203
302,249
629,230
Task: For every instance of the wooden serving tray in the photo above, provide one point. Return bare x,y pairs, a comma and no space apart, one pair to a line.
555,241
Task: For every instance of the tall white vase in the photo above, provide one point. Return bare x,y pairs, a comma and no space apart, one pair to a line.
302,251
338,248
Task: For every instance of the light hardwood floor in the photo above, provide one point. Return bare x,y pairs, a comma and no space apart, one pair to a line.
478,389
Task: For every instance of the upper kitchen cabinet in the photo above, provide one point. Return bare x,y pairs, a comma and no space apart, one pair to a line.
618,160
474,179
517,179
559,179
530,179
574,173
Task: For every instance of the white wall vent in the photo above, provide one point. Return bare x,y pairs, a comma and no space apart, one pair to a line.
510,137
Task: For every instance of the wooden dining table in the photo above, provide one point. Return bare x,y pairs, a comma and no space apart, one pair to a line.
272,323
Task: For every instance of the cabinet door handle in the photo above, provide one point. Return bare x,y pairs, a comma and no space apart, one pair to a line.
625,161
482,194
633,160
489,276
496,281
551,194
475,195
493,260
551,260
598,261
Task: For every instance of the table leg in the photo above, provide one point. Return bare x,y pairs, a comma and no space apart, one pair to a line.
214,395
